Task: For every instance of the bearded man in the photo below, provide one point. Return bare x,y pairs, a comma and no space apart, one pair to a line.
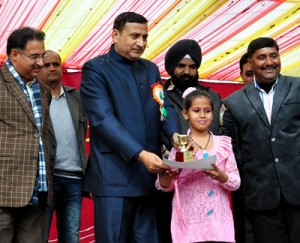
182,62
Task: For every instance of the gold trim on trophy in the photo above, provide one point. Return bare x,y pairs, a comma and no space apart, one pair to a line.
184,155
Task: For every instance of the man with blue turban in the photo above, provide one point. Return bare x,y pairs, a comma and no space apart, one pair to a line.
182,62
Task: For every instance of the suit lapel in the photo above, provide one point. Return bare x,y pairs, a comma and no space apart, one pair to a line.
73,107
253,95
16,91
281,91
50,127
46,100
172,95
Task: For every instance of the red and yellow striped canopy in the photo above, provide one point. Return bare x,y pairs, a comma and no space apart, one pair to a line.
80,30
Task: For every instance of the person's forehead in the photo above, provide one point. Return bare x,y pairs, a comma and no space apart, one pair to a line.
51,57
141,28
35,42
247,66
265,50
186,60
34,45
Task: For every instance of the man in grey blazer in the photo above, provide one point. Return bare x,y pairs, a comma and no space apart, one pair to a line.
264,118
25,177
67,151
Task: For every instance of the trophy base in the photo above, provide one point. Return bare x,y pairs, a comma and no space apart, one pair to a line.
184,156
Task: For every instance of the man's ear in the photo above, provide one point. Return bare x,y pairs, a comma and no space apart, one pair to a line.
250,62
185,114
13,55
115,35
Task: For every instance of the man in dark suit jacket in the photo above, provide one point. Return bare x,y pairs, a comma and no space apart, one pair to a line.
25,176
67,133
124,101
264,122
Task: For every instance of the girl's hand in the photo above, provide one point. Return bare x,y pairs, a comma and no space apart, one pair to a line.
167,176
217,174
191,146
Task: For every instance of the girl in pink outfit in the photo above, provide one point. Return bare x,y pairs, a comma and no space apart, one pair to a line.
201,208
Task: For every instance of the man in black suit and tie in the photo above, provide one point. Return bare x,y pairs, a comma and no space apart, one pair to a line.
264,118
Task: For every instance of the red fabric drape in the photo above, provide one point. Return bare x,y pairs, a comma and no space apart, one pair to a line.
223,88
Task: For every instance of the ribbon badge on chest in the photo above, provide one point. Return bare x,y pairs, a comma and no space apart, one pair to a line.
158,95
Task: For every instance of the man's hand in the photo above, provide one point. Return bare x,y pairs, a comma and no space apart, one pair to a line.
152,162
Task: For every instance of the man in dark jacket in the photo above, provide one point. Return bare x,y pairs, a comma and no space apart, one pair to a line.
263,120
126,118
182,62
67,151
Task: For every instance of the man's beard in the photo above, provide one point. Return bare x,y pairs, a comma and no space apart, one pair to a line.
184,81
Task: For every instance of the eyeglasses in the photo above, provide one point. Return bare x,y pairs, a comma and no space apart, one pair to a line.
33,57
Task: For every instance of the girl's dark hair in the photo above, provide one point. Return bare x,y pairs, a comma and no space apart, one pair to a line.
187,101
128,17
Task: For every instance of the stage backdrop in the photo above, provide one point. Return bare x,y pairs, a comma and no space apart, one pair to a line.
224,88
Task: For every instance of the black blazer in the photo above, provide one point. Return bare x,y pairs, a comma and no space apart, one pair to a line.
269,154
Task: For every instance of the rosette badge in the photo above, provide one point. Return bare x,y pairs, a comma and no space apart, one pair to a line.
158,95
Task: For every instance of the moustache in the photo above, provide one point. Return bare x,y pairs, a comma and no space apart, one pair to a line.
139,48
186,76
268,67
36,66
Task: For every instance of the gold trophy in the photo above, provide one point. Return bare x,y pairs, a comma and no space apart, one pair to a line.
183,155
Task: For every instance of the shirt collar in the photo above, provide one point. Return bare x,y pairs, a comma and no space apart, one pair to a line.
256,85
61,94
116,56
171,86
30,83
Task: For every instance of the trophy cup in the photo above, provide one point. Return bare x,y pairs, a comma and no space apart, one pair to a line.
183,155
